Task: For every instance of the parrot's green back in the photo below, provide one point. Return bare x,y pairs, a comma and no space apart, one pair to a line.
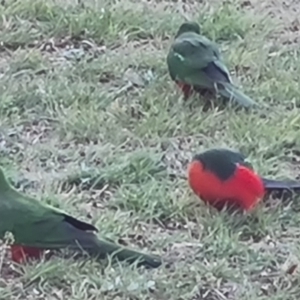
37,225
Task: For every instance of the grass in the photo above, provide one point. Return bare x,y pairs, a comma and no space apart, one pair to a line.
110,109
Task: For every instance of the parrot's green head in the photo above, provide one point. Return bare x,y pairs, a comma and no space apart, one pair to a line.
188,27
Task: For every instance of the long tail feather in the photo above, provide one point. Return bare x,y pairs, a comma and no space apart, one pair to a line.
234,94
277,185
88,241
128,255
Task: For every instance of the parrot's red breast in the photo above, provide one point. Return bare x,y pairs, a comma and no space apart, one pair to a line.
186,89
20,254
243,189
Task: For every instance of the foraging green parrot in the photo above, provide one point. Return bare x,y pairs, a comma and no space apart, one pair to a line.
37,227
223,177
195,64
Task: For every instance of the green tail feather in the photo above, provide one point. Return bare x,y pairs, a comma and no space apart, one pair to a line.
234,94
100,248
125,254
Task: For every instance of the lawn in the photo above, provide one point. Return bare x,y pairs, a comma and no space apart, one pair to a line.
109,109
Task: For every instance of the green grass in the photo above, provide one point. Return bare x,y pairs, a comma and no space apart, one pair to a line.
115,114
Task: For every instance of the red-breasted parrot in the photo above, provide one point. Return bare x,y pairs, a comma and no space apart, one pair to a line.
195,64
37,227
223,177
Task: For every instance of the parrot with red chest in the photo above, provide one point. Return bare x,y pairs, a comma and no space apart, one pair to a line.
196,65
223,177
37,227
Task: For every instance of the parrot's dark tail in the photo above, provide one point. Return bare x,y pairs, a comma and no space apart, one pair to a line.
278,185
232,93
78,239
129,255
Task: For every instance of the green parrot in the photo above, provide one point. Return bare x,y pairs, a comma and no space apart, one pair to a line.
195,64
37,227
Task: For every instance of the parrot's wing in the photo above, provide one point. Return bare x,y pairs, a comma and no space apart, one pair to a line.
247,164
239,159
197,61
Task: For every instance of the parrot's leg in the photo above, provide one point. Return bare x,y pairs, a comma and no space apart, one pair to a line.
20,254
209,97
204,92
